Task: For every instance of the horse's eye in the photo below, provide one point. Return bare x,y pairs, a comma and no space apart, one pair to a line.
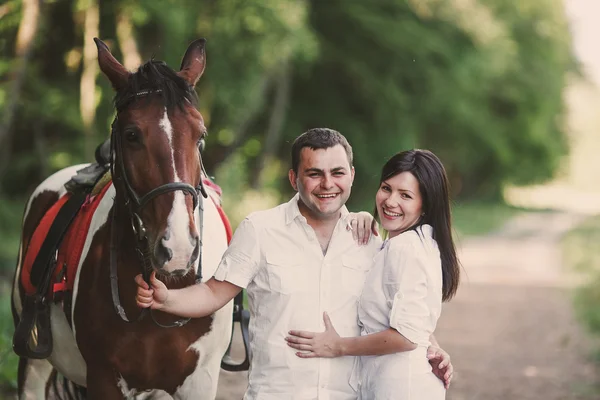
201,144
131,135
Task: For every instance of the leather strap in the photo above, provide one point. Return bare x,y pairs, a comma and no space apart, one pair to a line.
33,334
243,317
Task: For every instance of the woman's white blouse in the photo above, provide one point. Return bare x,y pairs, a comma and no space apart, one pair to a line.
403,290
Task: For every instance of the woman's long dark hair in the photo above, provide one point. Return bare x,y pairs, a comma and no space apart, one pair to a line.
433,185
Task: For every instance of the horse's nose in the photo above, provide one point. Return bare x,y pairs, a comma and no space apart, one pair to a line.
162,253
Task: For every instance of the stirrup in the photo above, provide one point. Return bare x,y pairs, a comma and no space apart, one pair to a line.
33,335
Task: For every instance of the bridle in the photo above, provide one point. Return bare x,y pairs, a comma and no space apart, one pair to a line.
135,204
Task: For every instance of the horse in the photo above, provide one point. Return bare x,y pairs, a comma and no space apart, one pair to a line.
155,214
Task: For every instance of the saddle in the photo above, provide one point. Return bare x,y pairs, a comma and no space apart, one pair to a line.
46,272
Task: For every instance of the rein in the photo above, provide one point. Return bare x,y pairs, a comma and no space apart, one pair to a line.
135,205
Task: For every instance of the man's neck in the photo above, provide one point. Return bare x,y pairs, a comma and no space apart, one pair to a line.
318,222
323,226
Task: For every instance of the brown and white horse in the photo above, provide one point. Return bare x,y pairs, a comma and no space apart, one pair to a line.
157,167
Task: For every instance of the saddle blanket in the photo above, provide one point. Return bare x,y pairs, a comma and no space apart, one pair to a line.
70,250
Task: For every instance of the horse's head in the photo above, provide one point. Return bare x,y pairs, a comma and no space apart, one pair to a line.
156,158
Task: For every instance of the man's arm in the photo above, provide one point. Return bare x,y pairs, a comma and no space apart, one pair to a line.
330,344
193,301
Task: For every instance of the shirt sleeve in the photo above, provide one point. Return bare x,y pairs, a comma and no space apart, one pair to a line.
405,286
241,261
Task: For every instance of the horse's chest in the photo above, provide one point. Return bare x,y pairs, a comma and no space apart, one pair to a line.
145,355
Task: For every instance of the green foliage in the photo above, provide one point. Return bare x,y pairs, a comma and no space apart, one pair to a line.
477,82
11,213
480,85
8,360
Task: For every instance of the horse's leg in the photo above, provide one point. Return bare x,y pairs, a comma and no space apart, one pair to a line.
203,383
33,377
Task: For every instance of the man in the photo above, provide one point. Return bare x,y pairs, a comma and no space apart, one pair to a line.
296,261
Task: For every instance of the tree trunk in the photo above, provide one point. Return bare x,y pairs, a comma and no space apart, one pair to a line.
276,120
87,102
28,28
129,49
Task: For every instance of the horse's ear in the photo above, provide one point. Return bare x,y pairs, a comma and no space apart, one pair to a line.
114,71
194,60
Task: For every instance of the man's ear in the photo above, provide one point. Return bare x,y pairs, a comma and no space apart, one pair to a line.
292,177
352,174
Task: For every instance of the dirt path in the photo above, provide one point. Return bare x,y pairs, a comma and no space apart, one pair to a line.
510,330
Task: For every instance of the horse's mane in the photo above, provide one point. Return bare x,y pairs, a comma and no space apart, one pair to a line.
154,76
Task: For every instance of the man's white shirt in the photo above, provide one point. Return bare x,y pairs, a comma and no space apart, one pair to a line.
277,257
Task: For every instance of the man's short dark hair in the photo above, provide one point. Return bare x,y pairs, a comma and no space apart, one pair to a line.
319,138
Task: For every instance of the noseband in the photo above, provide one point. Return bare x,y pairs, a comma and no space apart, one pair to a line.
135,204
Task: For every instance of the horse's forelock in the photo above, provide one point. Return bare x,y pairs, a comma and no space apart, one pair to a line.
156,76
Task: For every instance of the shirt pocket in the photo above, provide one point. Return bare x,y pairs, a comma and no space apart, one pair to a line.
354,273
286,273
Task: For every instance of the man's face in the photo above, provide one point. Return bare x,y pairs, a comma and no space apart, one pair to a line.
324,181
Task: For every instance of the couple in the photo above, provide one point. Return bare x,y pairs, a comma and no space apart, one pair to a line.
304,273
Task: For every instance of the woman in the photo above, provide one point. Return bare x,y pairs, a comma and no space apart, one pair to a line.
414,272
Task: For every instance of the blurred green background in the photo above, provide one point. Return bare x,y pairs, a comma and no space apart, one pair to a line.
481,83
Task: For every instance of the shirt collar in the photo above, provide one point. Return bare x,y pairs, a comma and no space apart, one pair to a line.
292,211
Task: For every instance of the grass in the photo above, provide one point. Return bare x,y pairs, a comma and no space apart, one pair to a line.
581,255
11,212
479,218
8,360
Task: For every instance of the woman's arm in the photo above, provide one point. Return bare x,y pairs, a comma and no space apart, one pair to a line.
376,344
330,344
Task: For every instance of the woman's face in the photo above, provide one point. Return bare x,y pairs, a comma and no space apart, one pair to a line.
399,203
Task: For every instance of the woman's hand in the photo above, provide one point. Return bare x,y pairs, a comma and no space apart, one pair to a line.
362,225
153,297
325,344
440,364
